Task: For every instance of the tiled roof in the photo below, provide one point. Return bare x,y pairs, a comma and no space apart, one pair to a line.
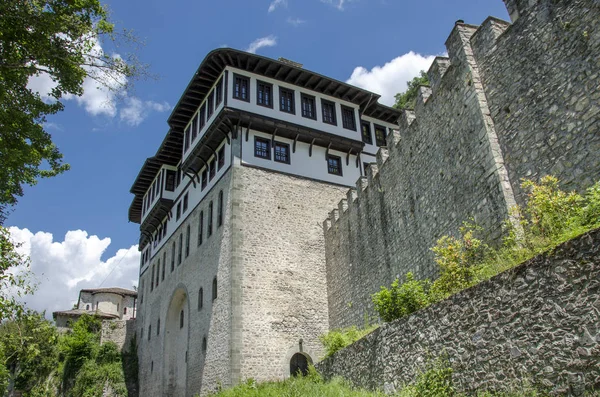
112,290
79,312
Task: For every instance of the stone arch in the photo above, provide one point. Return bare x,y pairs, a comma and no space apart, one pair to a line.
298,348
176,344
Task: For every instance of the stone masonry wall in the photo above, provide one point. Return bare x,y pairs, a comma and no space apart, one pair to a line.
539,321
542,82
121,332
203,371
509,102
279,255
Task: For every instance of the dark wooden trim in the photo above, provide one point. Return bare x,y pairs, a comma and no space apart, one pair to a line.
295,140
310,148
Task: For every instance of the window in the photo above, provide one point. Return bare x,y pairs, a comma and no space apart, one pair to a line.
124,310
211,105
87,307
142,290
200,298
187,241
334,165
210,218
214,289
282,152
366,167
348,120
187,138
204,344
308,106
219,92
220,209
185,203
194,127
157,272
164,265
200,227
158,327
264,94
202,117
286,100
180,249
118,307
204,178
262,148
212,169
221,156
181,315
178,211
149,331
365,130
241,88
328,112
173,256
380,135
151,283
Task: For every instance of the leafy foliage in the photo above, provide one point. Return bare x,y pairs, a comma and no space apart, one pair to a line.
338,339
58,39
30,348
434,381
401,300
550,217
14,277
408,99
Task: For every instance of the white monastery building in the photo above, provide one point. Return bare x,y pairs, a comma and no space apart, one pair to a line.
232,277
106,303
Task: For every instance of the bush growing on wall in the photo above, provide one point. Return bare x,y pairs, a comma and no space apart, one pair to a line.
338,339
401,299
550,217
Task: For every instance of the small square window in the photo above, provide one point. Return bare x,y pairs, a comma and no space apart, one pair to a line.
211,105
328,112
219,92
262,148
282,152
380,135
211,169
241,88
202,117
348,120
365,130
264,94
286,100
204,178
221,155
308,107
334,165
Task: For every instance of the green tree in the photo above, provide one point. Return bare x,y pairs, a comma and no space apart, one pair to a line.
58,39
29,347
408,98
14,277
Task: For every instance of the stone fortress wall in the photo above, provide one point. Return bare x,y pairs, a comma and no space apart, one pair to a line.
536,323
511,101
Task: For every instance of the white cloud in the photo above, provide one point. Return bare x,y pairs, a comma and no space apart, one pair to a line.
257,44
339,4
391,78
136,110
277,3
62,268
295,22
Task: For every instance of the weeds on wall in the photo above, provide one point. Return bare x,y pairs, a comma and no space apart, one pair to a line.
551,217
338,339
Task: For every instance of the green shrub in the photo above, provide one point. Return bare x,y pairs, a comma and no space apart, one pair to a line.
550,211
338,339
590,213
434,381
401,299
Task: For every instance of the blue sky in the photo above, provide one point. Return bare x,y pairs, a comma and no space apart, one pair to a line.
107,142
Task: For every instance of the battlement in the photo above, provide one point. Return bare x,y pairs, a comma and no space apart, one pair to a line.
509,102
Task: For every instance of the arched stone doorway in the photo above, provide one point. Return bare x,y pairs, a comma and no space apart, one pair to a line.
176,345
299,364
